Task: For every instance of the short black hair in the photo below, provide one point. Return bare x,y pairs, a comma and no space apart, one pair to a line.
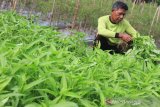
119,5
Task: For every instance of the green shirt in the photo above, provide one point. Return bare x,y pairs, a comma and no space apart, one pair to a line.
107,29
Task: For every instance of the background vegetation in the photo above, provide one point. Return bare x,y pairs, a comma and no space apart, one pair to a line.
143,16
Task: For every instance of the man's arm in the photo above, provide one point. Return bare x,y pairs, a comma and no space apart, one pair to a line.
131,31
130,34
102,30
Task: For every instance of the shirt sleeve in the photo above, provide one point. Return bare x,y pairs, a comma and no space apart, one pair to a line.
131,31
102,30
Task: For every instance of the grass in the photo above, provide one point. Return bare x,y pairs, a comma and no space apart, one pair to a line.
38,68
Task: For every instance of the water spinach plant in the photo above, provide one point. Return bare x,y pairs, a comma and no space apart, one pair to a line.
39,68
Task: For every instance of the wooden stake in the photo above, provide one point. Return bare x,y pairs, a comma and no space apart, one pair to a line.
133,6
153,21
14,4
158,14
142,6
51,18
76,9
30,12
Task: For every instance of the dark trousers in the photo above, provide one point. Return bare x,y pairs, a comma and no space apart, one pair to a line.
105,44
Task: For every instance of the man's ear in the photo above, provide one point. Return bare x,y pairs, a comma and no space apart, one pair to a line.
114,9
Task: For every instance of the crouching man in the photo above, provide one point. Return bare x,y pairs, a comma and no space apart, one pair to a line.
114,32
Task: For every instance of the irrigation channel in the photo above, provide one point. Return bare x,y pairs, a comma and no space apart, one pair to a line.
61,26
65,30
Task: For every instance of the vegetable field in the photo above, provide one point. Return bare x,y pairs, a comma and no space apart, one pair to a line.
40,68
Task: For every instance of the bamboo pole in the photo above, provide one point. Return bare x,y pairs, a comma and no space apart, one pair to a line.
142,6
150,7
30,12
153,20
76,9
51,18
85,22
133,6
14,4
158,14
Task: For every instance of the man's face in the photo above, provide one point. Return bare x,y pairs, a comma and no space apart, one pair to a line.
118,15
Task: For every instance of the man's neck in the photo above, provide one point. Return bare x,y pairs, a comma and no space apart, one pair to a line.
110,18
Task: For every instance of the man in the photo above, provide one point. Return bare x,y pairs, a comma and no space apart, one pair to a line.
114,32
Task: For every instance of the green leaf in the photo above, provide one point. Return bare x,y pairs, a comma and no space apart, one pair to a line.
65,104
99,91
63,84
3,102
87,103
33,105
127,76
32,84
4,81
71,94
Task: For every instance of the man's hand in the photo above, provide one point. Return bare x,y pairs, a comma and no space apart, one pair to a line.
125,37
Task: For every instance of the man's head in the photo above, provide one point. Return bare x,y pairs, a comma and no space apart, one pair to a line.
118,11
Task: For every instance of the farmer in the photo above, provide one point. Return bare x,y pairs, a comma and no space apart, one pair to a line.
114,32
